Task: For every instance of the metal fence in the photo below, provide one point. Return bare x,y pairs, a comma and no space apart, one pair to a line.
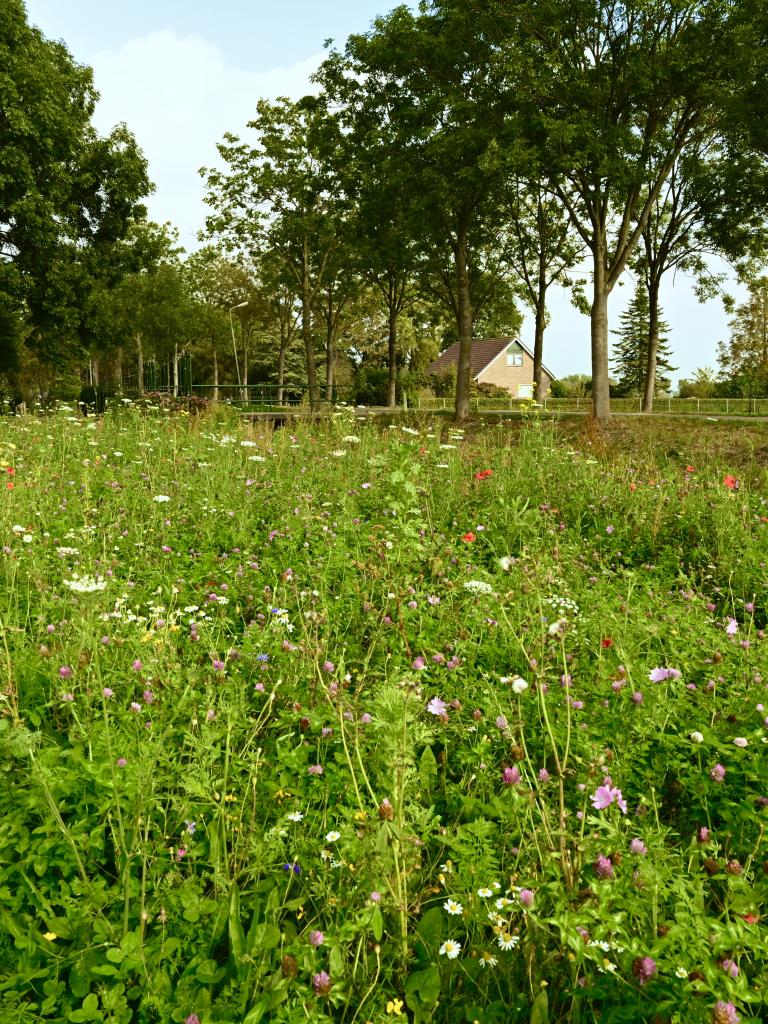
689,406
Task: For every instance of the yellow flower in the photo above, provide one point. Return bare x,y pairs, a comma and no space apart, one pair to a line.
395,1006
50,936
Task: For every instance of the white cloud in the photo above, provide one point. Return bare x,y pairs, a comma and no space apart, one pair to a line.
178,97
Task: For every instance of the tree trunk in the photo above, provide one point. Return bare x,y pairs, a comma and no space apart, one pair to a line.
330,358
119,368
281,370
94,372
175,369
139,365
306,332
464,323
215,375
601,395
653,346
392,358
539,377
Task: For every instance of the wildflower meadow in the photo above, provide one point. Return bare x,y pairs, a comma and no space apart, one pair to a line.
362,722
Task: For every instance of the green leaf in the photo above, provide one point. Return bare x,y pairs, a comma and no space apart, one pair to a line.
236,934
263,936
256,1012
540,1009
377,924
422,989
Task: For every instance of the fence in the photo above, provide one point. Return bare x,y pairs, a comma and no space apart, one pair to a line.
689,406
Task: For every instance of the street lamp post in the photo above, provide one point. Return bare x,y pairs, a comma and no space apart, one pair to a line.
240,305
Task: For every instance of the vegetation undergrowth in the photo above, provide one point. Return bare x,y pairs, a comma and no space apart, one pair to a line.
358,723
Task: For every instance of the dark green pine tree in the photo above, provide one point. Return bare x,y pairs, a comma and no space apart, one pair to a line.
630,353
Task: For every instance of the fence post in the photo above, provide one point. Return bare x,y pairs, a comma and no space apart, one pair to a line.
727,406
577,403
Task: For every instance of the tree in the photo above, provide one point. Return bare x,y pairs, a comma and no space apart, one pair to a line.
612,94
423,107
67,196
743,358
703,384
637,333
279,195
542,250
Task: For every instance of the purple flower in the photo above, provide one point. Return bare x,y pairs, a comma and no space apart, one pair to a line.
607,794
511,776
108,692
638,847
603,867
328,666
502,723
725,1013
121,762
717,774
135,708
365,718
149,697
192,1019
137,665
609,530
321,983
637,697
643,968
437,706
316,938
702,834
732,627
730,967
657,675
543,775
65,672
315,769
217,665
418,663
526,897
295,868
375,897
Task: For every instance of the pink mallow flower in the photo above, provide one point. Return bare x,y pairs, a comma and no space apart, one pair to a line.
608,794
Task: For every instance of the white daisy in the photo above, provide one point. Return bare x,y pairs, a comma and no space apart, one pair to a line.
484,893
450,948
332,836
453,907
507,941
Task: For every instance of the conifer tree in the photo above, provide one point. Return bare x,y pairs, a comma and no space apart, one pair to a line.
630,358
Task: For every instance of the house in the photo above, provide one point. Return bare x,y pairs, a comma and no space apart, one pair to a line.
505,362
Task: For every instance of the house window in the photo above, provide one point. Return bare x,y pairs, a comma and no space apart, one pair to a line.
514,356
525,390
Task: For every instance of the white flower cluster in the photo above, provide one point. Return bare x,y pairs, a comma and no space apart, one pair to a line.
478,587
85,584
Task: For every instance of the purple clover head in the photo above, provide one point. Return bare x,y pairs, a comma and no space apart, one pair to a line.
643,968
603,867
717,774
725,1013
638,847
321,983
316,938
526,897
511,776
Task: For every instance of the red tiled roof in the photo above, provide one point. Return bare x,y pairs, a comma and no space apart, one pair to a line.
483,353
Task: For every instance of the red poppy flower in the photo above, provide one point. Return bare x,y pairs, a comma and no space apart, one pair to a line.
633,487
730,482
690,469
468,537
10,471
606,642
483,474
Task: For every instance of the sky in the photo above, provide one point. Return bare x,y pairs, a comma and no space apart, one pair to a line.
181,73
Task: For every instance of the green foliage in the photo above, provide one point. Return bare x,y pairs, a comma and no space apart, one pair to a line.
256,725
631,352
